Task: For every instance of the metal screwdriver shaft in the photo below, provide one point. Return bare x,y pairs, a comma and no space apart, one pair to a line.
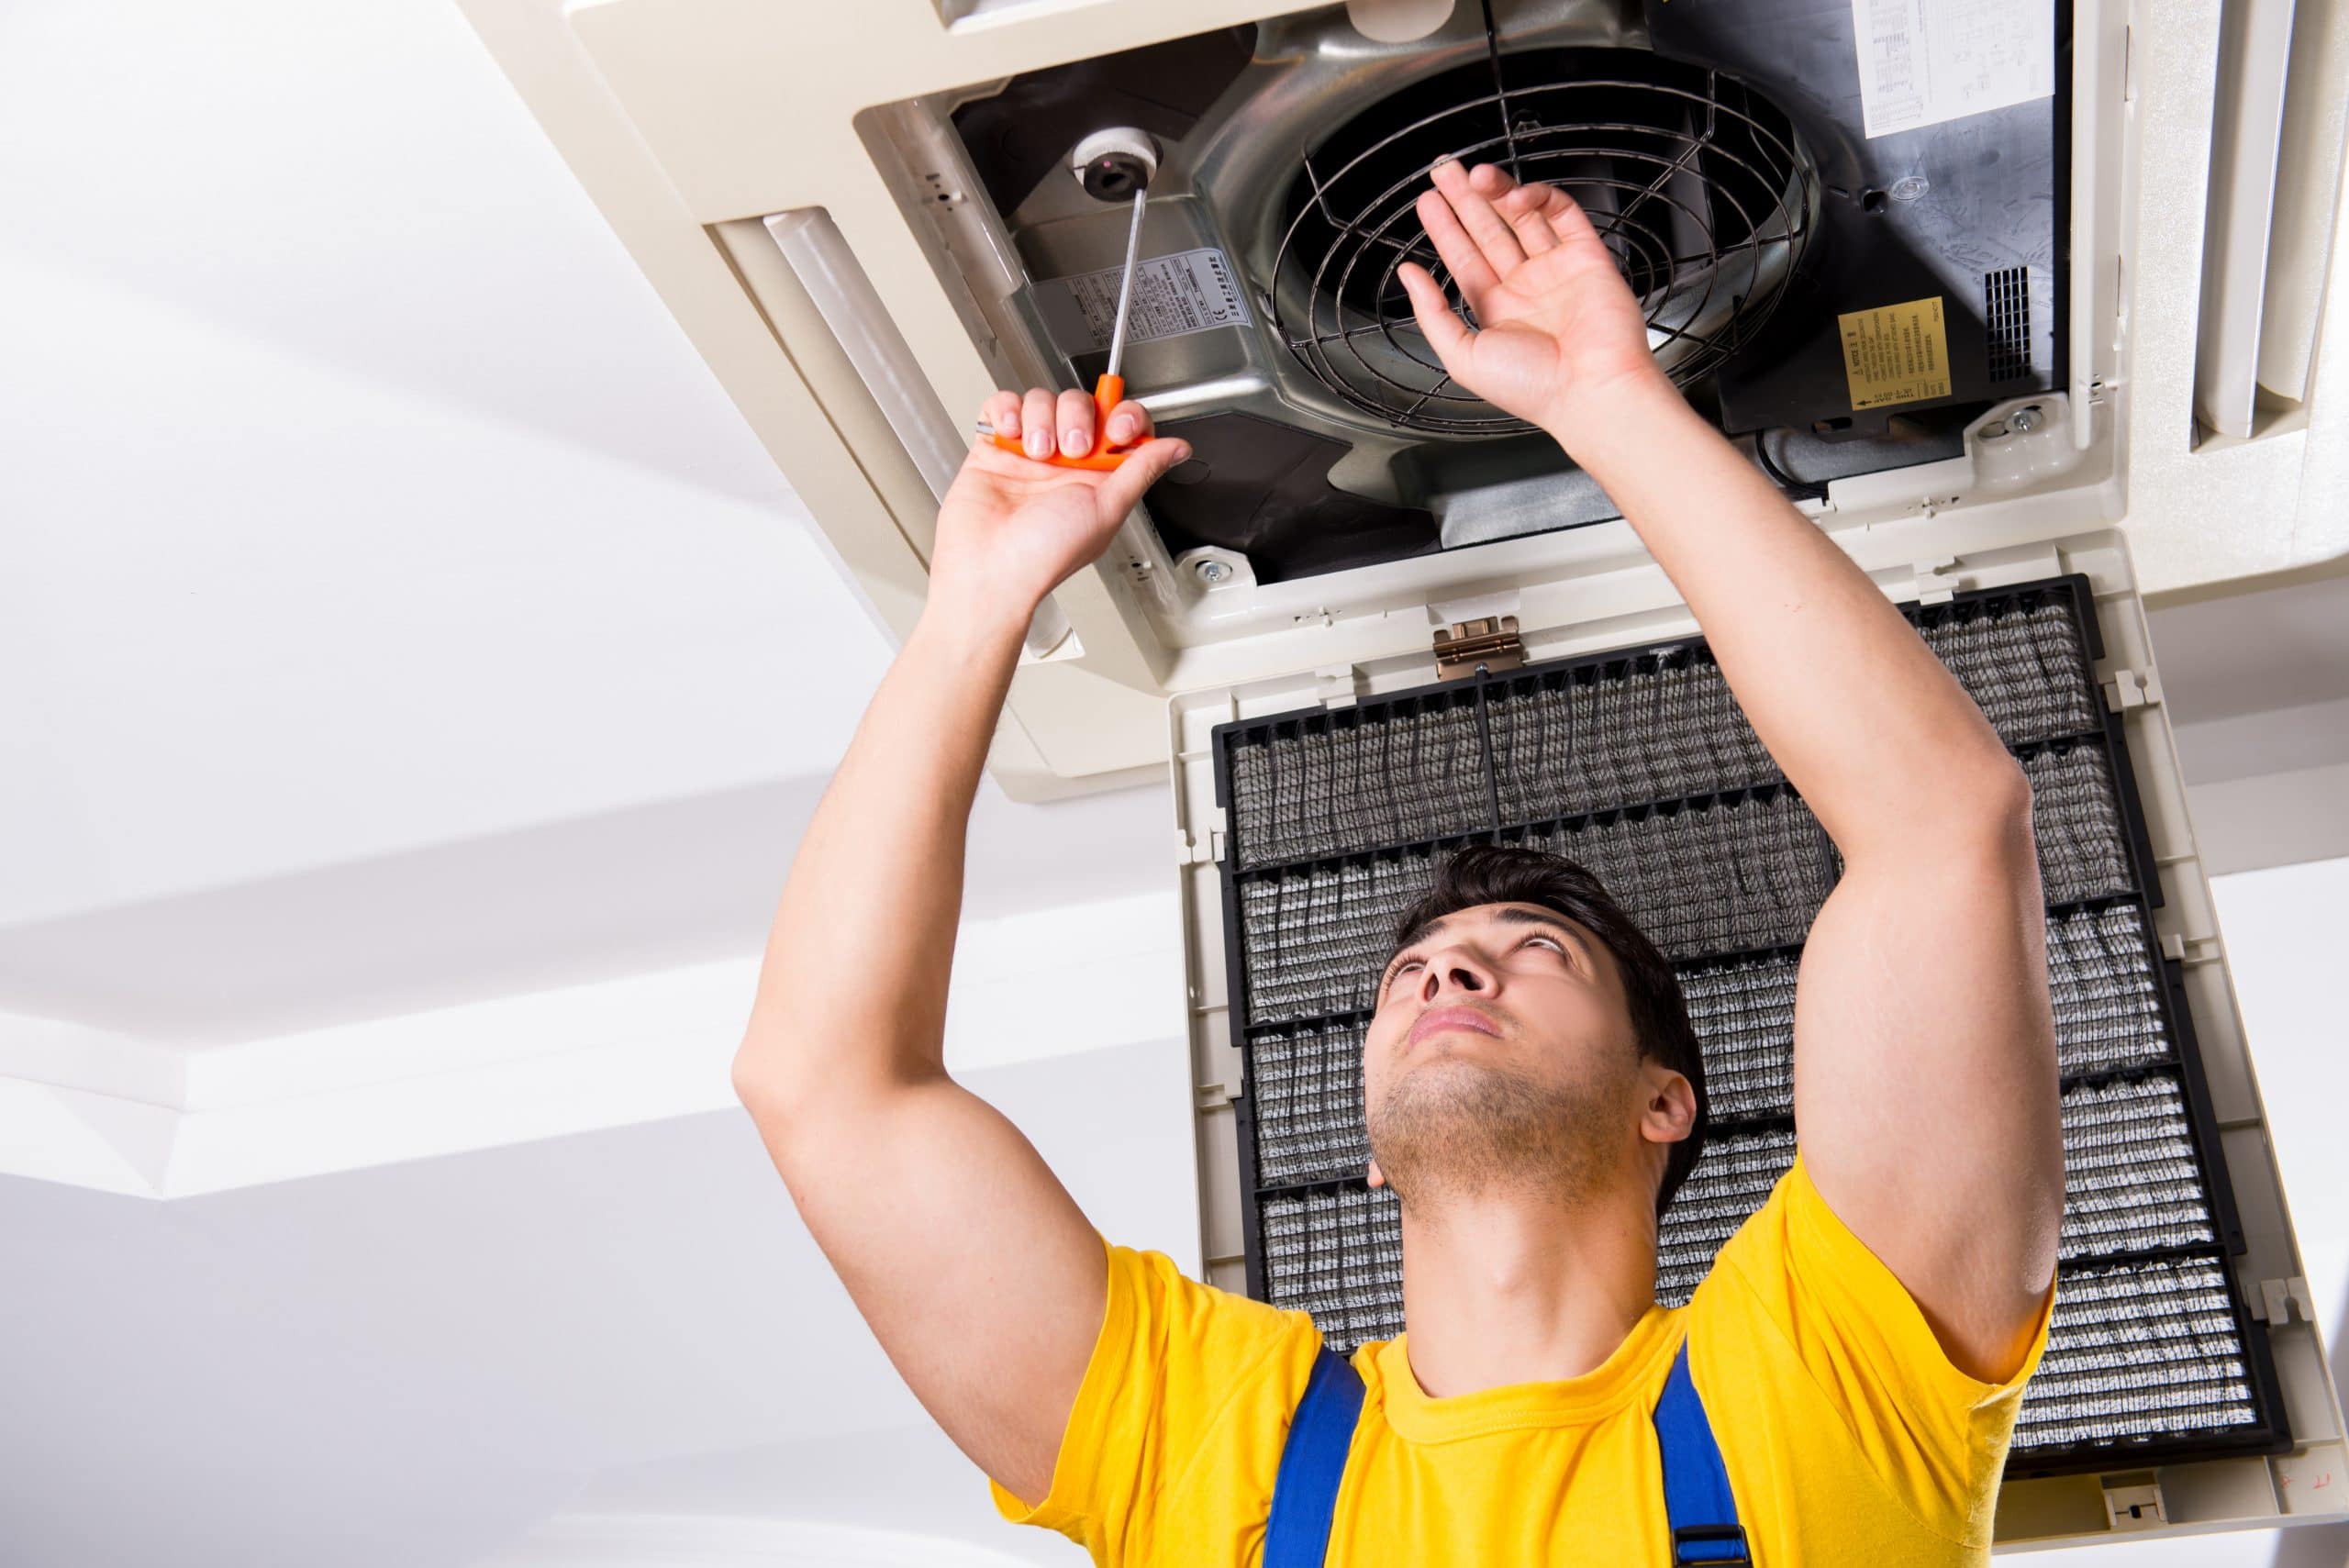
1129,162
1126,288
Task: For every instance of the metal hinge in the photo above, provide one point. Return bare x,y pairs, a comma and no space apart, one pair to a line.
1490,642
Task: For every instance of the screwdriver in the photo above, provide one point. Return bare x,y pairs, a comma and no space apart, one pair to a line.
1110,390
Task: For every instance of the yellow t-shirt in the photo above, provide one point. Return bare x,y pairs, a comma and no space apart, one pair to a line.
1848,1435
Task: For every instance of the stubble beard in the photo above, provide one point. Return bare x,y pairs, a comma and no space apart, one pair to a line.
1450,1131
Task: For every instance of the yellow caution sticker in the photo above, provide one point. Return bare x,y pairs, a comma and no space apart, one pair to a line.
1896,353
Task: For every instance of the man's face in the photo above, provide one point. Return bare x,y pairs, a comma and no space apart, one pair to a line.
1501,1051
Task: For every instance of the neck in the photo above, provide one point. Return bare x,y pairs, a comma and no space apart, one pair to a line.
1523,1286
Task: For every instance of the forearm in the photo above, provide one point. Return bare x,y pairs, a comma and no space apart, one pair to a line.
1881,741
853,988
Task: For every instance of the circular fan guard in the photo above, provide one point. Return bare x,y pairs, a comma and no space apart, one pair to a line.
1698,185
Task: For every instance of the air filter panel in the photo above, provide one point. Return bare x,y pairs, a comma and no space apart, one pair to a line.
1638,765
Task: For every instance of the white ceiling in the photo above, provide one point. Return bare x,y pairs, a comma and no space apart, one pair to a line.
378,547
409,1366
363,496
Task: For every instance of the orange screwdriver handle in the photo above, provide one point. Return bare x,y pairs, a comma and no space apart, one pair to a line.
1108,393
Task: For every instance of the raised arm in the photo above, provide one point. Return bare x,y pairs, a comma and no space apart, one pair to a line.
1925,1083
975,1268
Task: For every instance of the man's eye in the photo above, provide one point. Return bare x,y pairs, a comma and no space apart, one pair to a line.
1401,969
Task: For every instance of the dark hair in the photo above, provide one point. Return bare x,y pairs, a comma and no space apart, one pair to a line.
1501,873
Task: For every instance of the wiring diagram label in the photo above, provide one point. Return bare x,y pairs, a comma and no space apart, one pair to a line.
1191,291
1923,61
1896,353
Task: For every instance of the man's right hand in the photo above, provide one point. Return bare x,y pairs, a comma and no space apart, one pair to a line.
1560,339
1014,528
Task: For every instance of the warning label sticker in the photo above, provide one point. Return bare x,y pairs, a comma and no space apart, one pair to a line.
1896,353
1923,61
1191,291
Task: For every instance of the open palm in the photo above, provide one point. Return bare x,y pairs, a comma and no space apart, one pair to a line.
1557,326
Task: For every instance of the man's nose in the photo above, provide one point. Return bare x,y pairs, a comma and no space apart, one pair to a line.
1455,969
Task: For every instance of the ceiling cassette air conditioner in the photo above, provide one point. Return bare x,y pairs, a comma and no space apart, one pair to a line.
1894,250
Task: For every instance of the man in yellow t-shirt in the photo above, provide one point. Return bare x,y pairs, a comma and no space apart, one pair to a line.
1531,1086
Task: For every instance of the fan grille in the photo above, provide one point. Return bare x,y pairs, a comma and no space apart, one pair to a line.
1697,184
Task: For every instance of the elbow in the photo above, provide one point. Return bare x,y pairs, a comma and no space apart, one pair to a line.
2002,796
1997,827
1986,806
761,1085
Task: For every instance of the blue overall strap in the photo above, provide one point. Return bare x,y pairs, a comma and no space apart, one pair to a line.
1696,1498
1304,1491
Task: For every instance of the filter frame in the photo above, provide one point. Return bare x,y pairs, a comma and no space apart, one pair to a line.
2103,734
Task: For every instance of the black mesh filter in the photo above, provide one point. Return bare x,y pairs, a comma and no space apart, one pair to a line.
1714,876
1337,1253
2108,1011
1307,1098
2083,850
2139,1352
2130,1181
1604,734
1638,765
1697,185
1412,772
2107,996
1652,729
1316,937
2020,658
1744,1013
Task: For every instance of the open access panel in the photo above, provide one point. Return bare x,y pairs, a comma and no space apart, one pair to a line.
1311,810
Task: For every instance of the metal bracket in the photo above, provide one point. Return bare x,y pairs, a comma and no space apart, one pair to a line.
1490,642
2133,1500
2125,689
2274,1303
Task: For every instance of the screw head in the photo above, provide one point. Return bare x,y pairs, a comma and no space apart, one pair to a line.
2024,418
1212,572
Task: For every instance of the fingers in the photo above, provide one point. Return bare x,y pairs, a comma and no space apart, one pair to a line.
1036,426
1129,421
1001,411
1121,487
1045,423
1446,333
1074,413
1460,256
1568,225
1520,206
1494,238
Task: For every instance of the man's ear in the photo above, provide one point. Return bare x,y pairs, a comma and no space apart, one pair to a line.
1670,1113
1377,1176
